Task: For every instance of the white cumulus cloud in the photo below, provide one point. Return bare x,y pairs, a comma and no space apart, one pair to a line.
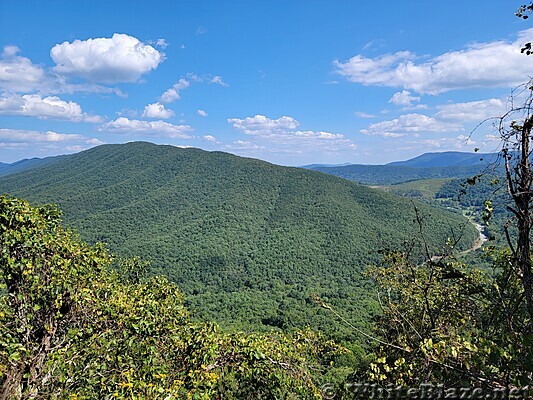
17,142
19,74
489,65
155,128
317,135
281,138
211,138
445,143
280,129
16,135
260,124
244,145
173,93
410,123
10,51
121,58
201,113
157,110
476,111
29,137
404,98
51,107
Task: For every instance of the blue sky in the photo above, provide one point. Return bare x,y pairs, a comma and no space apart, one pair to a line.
290,82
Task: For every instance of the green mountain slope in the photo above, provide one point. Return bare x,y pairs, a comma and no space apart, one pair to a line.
248,241
422,189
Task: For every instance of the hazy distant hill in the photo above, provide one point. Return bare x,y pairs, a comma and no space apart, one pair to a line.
311,166
390,175
248,241
448,159
6,169
427,166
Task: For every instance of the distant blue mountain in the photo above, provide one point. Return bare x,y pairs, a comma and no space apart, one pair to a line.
392,174
451,164
313,166
448,159
28,163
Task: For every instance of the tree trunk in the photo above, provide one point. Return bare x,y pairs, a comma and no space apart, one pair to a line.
522,198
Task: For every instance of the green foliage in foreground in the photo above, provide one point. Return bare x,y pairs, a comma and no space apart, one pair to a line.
71,327
248,242
447,323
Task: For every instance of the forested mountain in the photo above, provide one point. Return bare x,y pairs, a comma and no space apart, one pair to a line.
249,242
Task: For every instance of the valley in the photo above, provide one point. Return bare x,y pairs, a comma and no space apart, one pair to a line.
248,242
266,200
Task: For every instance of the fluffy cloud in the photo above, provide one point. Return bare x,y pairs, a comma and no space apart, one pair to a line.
201,113
280,138
278,129
15,135
492,64
210,138
476,111
16,142
19,74
456,143
157,110
261,125
155,128
410,123
404,98
10,51
52,107
317,135
28,137
173,93
244,145
121,58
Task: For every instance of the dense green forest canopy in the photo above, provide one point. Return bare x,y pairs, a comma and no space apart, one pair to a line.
72,327
247,241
